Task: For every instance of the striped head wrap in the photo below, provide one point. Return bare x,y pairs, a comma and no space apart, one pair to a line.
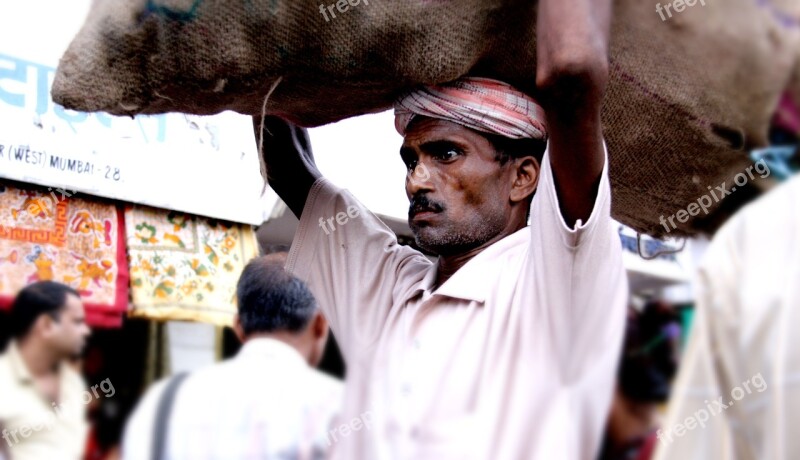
482,104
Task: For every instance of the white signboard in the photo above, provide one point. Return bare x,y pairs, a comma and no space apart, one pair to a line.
201,165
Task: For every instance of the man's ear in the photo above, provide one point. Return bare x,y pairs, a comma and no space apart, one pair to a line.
237,328
319,325
44,325
526,179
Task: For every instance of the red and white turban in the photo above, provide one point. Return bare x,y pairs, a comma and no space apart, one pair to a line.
483,104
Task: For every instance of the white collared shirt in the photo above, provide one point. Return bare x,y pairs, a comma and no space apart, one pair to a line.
264,404
37,428
737,395
514,357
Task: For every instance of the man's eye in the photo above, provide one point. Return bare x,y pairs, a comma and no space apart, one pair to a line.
449,153
411,165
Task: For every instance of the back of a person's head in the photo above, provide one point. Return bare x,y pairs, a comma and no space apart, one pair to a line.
35,300
272,300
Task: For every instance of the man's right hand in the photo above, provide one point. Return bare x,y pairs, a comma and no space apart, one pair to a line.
286,151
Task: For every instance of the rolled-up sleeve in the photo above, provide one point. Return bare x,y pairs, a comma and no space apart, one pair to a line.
578,290
579,276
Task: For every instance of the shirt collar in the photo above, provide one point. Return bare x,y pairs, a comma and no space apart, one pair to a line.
470,282
264,347
18,366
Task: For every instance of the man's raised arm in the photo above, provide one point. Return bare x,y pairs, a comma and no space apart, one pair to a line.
286,151
572,74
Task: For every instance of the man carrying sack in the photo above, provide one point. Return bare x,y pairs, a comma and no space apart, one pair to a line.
507,347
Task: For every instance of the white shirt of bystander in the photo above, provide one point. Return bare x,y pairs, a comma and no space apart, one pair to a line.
265,404
737,395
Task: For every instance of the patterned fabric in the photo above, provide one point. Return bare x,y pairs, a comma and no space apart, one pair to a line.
185,267
47,235
482,104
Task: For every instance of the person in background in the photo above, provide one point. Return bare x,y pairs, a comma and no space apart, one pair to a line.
266,403
106,415
738,390
42,415
649,362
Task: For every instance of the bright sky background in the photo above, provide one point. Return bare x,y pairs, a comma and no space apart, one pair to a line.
362,155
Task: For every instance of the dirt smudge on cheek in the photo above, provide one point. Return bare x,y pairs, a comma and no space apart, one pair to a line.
473,197
469,192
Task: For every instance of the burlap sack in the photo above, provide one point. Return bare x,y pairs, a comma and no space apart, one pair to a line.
690,90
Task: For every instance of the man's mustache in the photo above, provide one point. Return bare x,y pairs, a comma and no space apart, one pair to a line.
421,203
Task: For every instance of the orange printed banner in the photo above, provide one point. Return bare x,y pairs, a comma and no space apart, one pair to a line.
185,267
58,236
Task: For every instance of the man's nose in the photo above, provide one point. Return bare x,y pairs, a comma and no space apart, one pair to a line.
418,179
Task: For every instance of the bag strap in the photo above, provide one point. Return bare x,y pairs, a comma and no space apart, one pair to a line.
163,414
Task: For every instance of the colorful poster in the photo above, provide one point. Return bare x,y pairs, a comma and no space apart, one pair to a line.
185,267
58,235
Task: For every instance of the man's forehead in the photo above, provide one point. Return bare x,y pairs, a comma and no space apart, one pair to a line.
428,129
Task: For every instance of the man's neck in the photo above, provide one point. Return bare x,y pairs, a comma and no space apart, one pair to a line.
449,265
287,338
38,360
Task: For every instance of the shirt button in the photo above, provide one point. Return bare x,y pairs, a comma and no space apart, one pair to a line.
406,389
417,345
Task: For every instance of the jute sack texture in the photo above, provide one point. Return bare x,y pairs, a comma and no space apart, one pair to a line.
689,94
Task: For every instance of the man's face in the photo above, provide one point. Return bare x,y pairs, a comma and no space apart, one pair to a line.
458,191
69,332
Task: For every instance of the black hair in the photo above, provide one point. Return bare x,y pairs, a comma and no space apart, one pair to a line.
35,300
271,299
507,148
